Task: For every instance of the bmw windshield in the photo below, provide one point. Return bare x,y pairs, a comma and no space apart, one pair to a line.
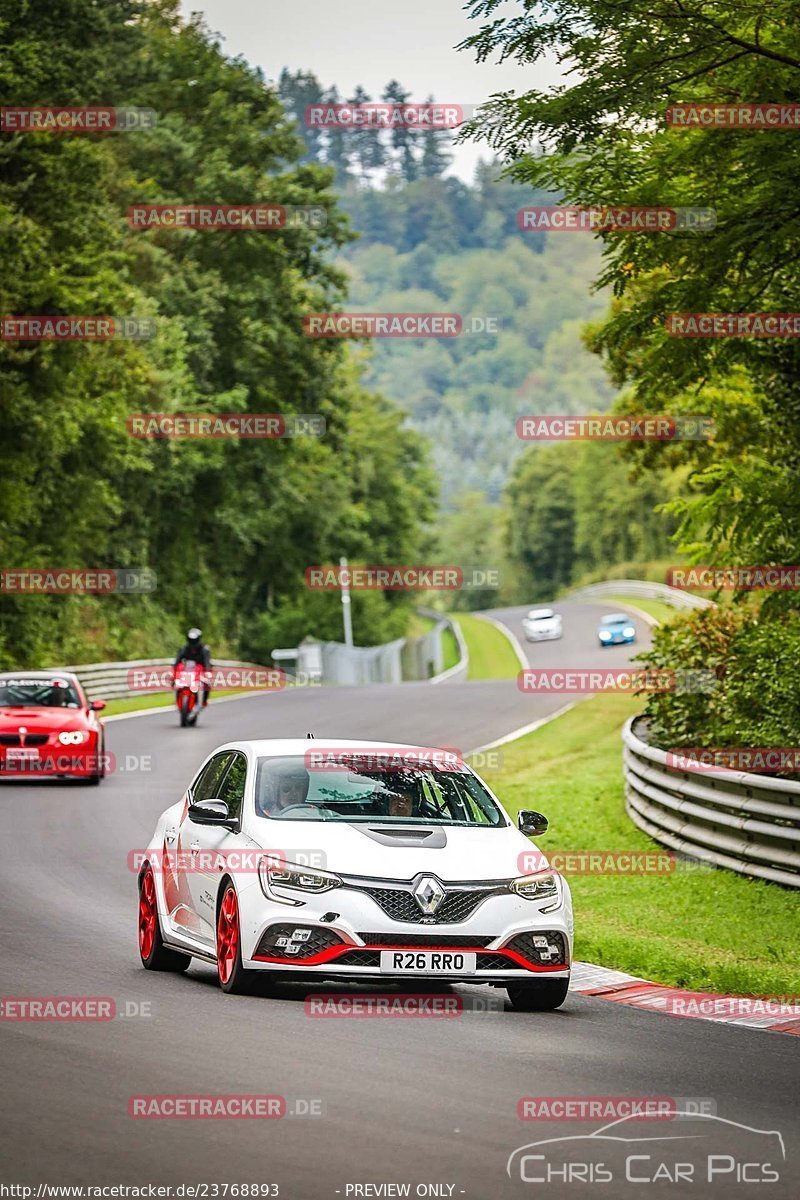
294,789
22,692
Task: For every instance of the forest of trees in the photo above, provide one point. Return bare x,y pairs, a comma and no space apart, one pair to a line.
229,526
604,138
429,242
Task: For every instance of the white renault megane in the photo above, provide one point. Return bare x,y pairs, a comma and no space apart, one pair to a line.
352,860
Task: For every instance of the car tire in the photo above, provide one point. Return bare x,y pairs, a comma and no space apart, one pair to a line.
154,954
543,996
232,976
94,780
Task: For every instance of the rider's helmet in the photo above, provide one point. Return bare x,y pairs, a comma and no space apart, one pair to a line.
194,636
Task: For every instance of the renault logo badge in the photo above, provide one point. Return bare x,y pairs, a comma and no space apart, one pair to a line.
428,894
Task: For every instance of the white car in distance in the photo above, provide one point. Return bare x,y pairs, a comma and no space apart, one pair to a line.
542,625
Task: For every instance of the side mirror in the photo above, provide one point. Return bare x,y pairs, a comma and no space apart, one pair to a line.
531,823
211,812
97,705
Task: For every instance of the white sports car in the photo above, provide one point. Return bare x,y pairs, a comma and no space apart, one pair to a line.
353,860
542,625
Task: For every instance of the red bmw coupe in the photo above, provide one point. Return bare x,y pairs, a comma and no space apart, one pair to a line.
48,728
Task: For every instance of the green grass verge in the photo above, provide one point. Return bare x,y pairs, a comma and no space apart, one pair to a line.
491,655
698,928
155,700
449,650
656,608
134,703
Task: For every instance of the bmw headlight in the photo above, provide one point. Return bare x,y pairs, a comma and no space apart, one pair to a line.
544,885
73,737
604,635
628,631
273,873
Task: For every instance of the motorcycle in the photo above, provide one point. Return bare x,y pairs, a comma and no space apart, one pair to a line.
190,678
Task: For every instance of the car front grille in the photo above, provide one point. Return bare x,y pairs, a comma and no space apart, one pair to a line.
359,958
318,939
15,739
423,939
458,904
495,962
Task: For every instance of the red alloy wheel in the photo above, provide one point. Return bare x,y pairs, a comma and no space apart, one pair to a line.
227,935
147,914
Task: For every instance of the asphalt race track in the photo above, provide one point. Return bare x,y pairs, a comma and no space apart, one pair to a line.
404,1101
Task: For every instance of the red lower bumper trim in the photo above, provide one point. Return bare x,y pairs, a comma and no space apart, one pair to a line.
331,953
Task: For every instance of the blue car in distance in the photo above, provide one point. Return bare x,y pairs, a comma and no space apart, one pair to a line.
617,629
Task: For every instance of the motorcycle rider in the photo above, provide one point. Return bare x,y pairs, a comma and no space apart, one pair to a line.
195,651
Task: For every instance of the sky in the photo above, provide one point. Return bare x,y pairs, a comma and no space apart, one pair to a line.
347,42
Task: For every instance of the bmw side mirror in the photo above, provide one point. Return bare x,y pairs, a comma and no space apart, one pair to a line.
211,812
531,823
97,705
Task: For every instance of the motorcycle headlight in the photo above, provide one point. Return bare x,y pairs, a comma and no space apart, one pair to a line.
274,874
628,631
73,737
544,885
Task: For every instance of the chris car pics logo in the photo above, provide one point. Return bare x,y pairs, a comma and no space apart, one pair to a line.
632,1151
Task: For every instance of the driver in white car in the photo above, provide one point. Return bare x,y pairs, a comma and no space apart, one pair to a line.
288,789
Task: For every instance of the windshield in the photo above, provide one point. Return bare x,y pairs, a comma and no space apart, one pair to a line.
289,790
616,619
544,614
21,692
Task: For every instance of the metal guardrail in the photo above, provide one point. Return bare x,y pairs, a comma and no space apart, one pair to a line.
110,681
642,587
404,658
459,669
747,823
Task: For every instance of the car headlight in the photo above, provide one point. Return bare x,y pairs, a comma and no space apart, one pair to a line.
275,874
544,885
628,631
604,635
73,737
